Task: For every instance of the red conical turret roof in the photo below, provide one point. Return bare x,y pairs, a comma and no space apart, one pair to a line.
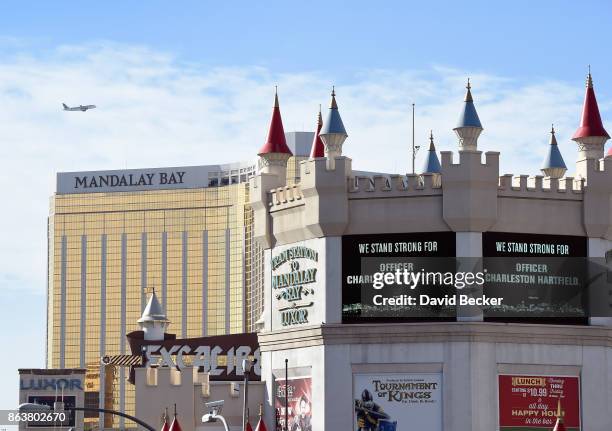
175,426
318,149
248,427
261,425
275,143
590,123
165,427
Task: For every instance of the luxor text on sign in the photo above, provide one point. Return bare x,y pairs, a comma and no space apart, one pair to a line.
397,402
529,403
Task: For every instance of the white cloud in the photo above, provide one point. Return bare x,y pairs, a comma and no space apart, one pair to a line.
156,111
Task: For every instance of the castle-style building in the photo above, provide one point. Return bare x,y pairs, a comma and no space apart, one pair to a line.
366,358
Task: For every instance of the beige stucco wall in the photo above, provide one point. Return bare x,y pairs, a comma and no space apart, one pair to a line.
161,388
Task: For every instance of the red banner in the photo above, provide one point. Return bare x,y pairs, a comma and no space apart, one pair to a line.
529,403
298,390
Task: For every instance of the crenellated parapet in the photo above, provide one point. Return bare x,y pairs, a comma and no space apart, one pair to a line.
385,186
158,388
540,187
286,197
470,190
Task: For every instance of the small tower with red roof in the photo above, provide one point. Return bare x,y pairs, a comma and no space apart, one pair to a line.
318,149
175,425
274,153
590,135
261,425
165,424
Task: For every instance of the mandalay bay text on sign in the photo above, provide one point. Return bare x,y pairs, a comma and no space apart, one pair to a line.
292,288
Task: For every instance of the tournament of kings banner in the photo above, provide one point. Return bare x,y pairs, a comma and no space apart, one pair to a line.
529,403
397,402
299,393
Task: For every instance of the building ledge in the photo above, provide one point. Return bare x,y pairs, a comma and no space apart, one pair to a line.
437,332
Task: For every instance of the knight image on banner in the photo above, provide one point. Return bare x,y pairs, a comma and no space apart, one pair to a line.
529,403
299,392
397,402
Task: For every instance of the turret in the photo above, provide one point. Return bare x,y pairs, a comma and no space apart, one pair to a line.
318,149
590,135
468,127
175,425
261,425
166,425
333,134
153,321
432,164
553,165
274,153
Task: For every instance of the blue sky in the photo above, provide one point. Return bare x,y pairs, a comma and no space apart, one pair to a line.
174,81
523,39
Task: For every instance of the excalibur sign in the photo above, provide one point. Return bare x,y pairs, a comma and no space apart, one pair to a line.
205,353
206,357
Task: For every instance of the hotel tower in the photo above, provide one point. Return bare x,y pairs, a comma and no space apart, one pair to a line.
114,236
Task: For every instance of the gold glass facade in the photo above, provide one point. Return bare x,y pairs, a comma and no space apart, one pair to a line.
107,250
293,169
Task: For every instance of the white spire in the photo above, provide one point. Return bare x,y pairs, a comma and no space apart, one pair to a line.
153,320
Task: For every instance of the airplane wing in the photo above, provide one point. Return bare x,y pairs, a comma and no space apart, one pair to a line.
90,106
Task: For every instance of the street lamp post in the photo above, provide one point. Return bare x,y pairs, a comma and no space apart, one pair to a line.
247,364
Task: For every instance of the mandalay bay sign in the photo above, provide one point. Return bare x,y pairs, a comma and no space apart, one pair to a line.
292,284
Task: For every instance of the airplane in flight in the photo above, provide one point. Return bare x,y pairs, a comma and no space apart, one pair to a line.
81,108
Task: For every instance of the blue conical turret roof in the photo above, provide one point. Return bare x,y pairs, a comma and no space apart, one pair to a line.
333,122
469,116
432,164
553,158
